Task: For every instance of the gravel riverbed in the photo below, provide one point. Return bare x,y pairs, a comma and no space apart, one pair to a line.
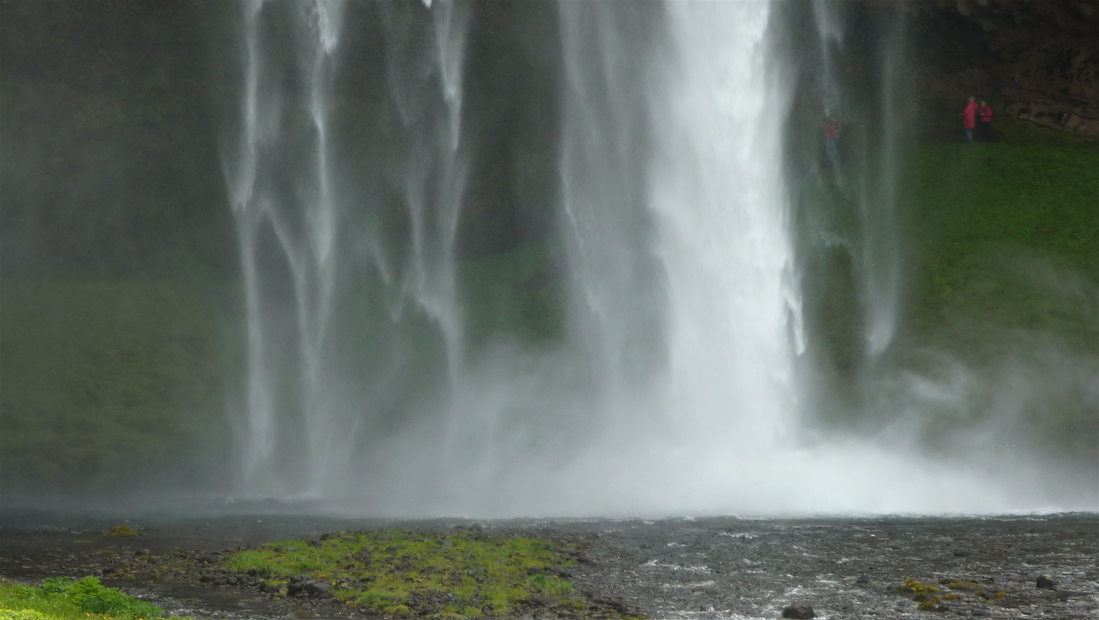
705,568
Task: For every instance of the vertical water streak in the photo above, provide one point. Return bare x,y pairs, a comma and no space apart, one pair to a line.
258,425
871,114
830,29
684,304
435,170
322,21
882,252
287,212
605,147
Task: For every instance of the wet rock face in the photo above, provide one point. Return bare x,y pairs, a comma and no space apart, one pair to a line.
1046,59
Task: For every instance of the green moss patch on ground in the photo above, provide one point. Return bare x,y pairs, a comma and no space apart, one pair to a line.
422,573
105,381
453,573
951,591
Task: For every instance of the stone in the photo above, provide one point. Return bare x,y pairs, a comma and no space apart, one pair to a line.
318,589
1046,583
799,612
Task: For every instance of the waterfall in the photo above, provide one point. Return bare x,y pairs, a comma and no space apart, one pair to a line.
299,221
866,173
715,182
683,294
316,255
679,258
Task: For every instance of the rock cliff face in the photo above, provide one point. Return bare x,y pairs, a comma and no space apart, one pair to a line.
1037,60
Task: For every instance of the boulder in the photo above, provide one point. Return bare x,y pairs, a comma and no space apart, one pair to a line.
800,612
318,589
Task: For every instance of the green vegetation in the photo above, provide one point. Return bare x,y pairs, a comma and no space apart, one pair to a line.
517,292
1004,275
999,221
928,597
122,530
60,598
104,380
425,574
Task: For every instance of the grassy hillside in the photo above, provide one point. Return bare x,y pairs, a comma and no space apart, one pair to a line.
1002,337
106,382
1006,235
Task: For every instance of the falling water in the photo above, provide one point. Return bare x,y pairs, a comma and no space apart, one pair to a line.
301,220
686,293
882,250
676,383
869,172
348,273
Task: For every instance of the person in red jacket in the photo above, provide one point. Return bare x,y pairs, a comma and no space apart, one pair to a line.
984,122
969,118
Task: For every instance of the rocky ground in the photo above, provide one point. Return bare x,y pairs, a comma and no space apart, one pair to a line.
722,567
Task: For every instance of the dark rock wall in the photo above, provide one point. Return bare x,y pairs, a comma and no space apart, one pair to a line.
1035,60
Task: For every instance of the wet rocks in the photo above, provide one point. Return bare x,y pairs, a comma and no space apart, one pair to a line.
748,563
1045,583
799,612
301,586
318,589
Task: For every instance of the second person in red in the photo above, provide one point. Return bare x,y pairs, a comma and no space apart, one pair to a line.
984,122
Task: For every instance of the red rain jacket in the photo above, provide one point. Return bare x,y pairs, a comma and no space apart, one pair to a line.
985,113
969,115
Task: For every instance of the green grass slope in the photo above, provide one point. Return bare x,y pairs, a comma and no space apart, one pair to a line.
104,382
1006,235
1003,316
